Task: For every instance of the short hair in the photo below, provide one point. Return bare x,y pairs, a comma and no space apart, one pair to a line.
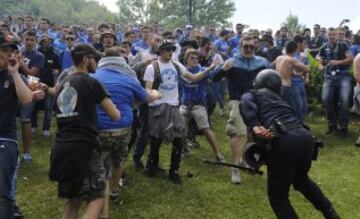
306,29
331,29
204,41
45,19
356,39
190,52
146,27
290,47
112,52
246,37
20,18
128,33
284,28
80,51
28,16
166,33
268,38
126,42
103,25
340,29
30,33
299,38
5,26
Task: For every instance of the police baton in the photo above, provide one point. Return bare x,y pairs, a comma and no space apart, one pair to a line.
241,167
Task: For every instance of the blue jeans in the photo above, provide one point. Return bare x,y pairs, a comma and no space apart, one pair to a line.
301,100
219,91
288,94
337,110
48,109
8,162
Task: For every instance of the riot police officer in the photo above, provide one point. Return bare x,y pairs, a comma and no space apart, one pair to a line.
289,160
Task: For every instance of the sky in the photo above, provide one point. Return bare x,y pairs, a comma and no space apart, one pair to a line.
270,14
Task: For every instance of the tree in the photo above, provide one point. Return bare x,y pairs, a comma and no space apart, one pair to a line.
60,11
175,13
292,23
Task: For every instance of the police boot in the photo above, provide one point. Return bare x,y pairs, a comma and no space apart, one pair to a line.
330,214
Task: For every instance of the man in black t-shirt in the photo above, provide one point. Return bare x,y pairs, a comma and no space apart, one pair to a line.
74,161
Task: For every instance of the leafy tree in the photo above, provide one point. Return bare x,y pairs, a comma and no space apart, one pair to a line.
175,13
292,23
60,11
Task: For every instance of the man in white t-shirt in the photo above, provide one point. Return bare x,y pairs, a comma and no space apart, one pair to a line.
165,122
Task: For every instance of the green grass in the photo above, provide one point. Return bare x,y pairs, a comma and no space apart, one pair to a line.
209,193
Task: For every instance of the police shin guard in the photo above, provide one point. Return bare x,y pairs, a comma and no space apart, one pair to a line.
330,213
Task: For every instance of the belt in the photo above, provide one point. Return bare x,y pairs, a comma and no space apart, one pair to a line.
292,126
114,132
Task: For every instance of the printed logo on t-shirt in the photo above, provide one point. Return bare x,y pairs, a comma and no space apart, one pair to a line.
6,84
27,61
169,79
66,101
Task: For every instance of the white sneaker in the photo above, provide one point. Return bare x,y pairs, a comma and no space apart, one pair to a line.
222,112
235,176
46,133
33,130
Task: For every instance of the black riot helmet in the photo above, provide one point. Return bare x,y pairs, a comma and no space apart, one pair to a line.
269,79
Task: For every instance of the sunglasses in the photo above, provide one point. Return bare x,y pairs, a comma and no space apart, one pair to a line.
70,39
194,58
248,46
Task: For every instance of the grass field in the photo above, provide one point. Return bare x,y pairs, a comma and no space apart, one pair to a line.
208,194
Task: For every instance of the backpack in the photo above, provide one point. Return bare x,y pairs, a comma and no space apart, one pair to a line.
157,76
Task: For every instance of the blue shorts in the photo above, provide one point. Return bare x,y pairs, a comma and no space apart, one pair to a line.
26,111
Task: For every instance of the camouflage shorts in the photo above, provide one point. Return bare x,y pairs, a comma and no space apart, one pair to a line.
114,147
92,187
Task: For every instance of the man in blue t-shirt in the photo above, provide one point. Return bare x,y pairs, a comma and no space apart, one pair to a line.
44,29
355,47
12,91
60,43
142,45
65,59
221,45
193,102
31,62
235,40
124,88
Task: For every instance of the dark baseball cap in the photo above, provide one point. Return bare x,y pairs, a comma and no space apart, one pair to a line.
4,44
167,44
86,49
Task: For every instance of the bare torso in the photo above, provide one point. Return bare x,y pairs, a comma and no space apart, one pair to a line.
285,67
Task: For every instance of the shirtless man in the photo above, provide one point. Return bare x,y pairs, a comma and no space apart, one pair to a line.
287,66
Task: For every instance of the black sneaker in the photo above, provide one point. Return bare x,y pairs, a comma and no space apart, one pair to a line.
175,178
138,165
17,212
344,133
151,173
331,129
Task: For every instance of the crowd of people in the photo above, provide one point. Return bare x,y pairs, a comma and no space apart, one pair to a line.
112,89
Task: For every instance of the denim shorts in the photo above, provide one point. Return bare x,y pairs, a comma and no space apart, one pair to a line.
26,112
